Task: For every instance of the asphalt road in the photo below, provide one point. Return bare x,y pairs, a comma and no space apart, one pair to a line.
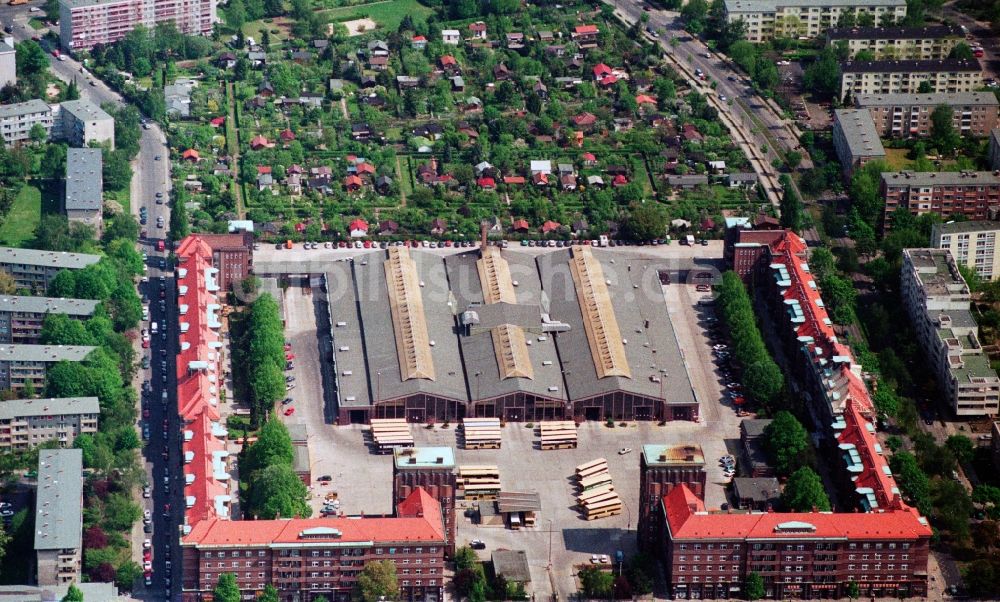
162,452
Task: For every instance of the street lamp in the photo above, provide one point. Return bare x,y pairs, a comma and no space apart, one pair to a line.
550,544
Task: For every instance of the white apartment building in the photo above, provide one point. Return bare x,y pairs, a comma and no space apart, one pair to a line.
888,77
59,516
28,423
84,23
8,67
80,122
931,42
972,244
766,19
17,120
937,300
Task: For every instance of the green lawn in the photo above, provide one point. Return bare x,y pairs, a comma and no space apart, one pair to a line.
897,160
387,14
37,24
23,218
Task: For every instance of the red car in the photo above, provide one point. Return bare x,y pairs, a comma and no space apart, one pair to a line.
289,411
147,554
288,347
145,343
145,413
289,356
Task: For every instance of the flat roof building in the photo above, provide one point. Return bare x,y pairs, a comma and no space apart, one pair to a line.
905,76
27,423
83,196
59,516
972,244
8,63
33,269
661,469
930,42
766,19
855,139
909,115
21,364
937,299
431,469
86,23
17,120
974,194
761,493
81,122
21,318
519,326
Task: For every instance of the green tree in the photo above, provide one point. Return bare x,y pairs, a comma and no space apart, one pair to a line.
60,329
694,13
853,590
51,9
925,87
8,286
787,443
839,296
53,165
38,134
273,446
791,205
72,91
753,587
377,581
804,492
236,14
73,594
30,59
270,594
116,170
595,583
821,262
645,221
962,447
823,76
226,589
943,134
277,492
961,51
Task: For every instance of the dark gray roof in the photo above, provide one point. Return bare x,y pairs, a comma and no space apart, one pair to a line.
760,490
512,564
379,336
940,178
64,406
932,99
911,66
46,305
754,427
859,132
84,180
44,353
84,110
348,348
641,312
55,259
962,227
19,109
59,499
477,348
934,32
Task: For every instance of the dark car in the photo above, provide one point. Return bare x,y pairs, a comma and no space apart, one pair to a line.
477,544
325,478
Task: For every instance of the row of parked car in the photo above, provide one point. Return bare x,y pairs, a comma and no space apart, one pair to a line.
434,244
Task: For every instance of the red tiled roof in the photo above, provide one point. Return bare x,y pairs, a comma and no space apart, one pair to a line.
419,520
609,80
585,29
687,519
645,99
259,141
198,374
218,121
447,59
352,181
263,169
486,182
358,224
550,226
287,135
600,70
520,224
419,39
365,168
477,26
585,119
190,154
513,180
589,157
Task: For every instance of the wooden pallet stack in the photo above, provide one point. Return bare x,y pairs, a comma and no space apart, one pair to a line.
481,433
560,434
478,482
597,497
390,433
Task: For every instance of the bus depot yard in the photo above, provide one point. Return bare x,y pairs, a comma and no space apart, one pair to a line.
346,459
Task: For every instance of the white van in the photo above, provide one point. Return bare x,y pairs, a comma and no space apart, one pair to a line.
153,327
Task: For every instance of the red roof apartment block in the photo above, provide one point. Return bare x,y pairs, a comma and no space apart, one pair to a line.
199,377
413,538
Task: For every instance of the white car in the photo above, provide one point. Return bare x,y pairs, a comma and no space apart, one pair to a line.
624,450
783,63
147,544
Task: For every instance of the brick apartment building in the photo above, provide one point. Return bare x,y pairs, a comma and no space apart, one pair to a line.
974,194
661,469
232,255
308,558
433,470
85,23
799,555
909,115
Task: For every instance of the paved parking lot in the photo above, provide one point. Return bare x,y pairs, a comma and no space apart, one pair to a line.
364,484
